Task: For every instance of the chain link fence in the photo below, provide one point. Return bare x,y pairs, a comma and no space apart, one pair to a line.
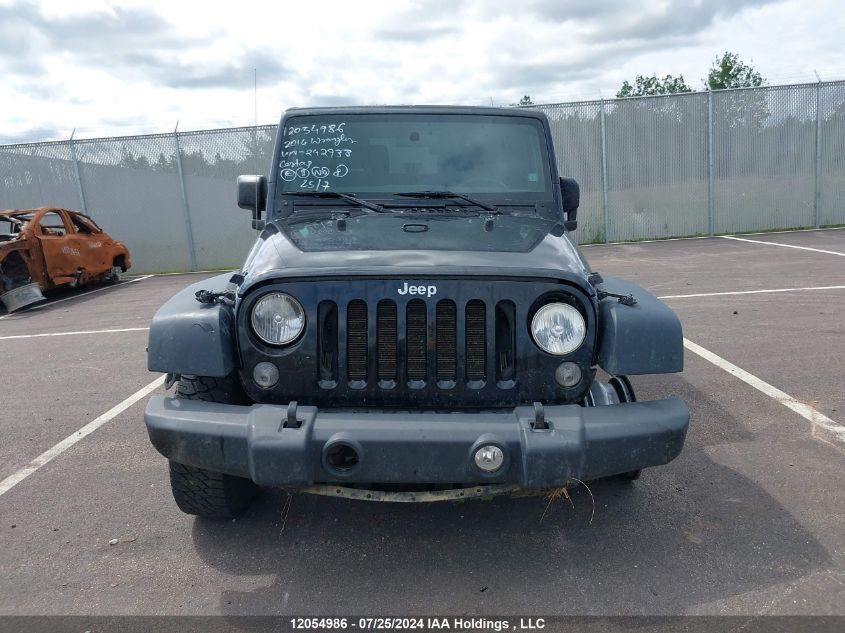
704,163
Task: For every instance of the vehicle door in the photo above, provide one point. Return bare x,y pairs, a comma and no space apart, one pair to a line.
92,243
60,249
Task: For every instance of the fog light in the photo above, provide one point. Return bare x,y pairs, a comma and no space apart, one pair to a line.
489,458
568,374
265,375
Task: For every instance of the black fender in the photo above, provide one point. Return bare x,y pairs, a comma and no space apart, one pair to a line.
645,338
189,337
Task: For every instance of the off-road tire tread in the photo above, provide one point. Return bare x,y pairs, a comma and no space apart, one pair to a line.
204,492
208,388
209,494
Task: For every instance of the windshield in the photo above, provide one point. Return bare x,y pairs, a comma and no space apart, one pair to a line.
375,232
501,157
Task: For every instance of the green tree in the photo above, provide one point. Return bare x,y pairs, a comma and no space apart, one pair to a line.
525,102
654,85
740,108
729,71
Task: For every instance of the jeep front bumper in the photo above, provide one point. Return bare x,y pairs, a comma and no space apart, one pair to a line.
293,446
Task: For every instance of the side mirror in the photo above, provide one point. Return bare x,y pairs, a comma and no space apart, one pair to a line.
570,197
252,195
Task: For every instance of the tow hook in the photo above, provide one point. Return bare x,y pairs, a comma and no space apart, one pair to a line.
292,421
539,423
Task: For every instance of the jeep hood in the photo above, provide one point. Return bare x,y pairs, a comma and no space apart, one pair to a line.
274,256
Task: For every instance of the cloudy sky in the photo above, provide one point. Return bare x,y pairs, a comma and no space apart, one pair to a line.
138,66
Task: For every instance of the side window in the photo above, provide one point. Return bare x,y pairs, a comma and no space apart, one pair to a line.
81,226
7,227
52,224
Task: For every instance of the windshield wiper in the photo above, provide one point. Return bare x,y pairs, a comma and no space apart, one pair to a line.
448,194
341,196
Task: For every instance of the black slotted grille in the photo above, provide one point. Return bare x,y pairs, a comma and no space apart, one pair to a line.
327,350
386,340
505,341
395,349
416,339
380,342
446,342
476,340
356,340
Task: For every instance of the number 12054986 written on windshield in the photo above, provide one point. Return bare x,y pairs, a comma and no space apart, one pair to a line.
310,153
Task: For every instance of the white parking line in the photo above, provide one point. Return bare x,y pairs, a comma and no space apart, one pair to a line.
49,455
823,427
125,329
76,296
750,292
818,230
801,248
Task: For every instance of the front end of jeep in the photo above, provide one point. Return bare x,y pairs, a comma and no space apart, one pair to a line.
414,322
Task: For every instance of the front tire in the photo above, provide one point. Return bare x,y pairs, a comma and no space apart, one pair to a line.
210,389
200,491
208,494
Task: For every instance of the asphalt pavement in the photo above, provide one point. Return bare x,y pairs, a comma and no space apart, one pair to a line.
748,520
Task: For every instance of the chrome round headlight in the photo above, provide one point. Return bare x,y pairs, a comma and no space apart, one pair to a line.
558,328
278,318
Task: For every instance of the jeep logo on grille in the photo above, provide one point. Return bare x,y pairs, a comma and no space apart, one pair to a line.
425,291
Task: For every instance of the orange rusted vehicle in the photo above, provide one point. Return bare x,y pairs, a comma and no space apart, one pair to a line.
41,249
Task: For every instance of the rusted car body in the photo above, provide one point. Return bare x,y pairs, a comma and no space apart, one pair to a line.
55,247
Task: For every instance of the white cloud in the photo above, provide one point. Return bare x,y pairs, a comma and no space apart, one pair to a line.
131,66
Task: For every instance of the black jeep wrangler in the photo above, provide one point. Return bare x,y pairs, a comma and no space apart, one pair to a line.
414,322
